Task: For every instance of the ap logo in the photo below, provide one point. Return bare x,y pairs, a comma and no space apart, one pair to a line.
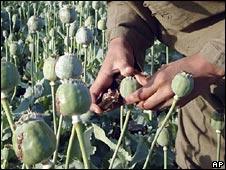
217,164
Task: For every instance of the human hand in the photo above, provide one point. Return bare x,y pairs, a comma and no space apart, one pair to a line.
156,92
119,59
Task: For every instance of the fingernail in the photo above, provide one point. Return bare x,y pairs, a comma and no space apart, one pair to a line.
127,71
142,104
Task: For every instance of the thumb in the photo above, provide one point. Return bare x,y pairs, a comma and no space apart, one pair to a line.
126,69
142,79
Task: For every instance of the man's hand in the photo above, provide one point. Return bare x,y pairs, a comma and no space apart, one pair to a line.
119,59
156,92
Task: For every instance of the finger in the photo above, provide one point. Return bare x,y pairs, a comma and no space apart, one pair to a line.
142,79
163,105
102,82
126,69
140,105
183,101
95,108
141,94
157,98
94,97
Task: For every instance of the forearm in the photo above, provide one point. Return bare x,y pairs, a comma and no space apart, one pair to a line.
201,66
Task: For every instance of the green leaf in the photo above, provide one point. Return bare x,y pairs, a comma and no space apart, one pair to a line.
4,120
85,117
47,89
24,105
113,114
76,164
100,134
118,164
87,138
141,151
42,88
6,134
66,124
148,114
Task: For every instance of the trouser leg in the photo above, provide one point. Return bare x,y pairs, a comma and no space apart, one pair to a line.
196,141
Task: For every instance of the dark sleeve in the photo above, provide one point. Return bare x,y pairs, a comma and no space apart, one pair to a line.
214,50
123,21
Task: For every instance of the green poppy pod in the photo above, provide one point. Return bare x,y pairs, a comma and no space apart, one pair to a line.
5,34
128,85
49,68
14,48
182,84
9,76
11,37
88,4
31,47
217,121
33,141
89,21
81,3
9,9
34,24
14,18
164,137
73,98
101,11
101,25
73,28
68,66
84,36
96,5
52,32
67,14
